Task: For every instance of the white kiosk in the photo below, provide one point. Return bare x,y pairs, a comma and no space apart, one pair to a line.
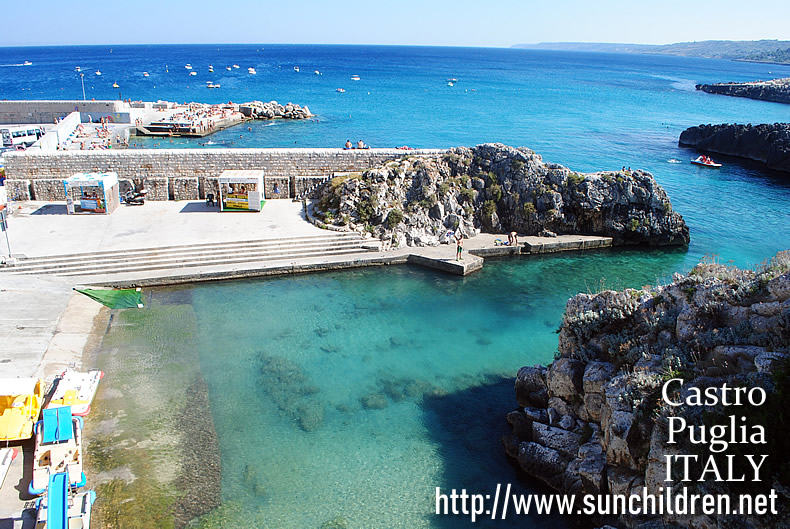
92,193
241,190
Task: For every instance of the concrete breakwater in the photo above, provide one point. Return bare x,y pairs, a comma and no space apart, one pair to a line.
767,143
186,174
777,90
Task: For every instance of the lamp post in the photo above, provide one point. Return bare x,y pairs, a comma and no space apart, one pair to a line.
82,78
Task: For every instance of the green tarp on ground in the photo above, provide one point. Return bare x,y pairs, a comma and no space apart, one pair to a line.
126,298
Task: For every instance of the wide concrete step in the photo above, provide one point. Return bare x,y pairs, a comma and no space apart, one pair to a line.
212,252
286,241
191,256
99,270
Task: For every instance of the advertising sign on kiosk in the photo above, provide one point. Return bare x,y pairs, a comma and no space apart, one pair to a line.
92,193
241,190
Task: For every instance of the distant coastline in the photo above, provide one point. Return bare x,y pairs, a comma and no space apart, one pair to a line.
760,51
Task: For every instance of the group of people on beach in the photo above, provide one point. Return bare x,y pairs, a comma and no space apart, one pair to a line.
360,145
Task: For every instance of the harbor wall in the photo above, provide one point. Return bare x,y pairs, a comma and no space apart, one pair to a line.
187,173
43,112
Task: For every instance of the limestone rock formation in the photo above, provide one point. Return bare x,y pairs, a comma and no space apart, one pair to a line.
769,143
415,201
777,90
594,421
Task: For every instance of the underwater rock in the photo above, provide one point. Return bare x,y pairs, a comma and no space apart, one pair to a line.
291,391
375,401
339,522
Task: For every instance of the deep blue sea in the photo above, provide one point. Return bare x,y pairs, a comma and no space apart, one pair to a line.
412,370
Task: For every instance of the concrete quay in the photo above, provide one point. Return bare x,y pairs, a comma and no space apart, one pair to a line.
46,326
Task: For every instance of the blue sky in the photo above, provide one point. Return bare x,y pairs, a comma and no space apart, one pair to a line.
426,22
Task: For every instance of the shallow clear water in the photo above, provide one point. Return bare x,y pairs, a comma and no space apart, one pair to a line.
354,394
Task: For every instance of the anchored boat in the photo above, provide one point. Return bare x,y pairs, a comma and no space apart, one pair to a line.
77,390
58,449
61,509
20,403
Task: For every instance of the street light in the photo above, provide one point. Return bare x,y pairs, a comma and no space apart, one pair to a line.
82,78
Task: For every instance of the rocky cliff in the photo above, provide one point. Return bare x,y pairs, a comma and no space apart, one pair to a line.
495,188
595,421
777,90
769,143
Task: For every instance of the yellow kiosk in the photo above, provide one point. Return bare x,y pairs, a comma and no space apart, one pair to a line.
241,190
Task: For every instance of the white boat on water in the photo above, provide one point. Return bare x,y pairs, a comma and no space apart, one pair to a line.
192,73
77,69
449,83
210,68
27,63
97,72
228,68
296,68
115,85
317,72
341,90
355,78
236,66
145,74
251,70
76,389
188,66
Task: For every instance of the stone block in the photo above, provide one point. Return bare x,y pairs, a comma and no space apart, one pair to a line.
48,189
157,188
18,190
184,188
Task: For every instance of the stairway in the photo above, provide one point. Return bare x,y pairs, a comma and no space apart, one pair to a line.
185,259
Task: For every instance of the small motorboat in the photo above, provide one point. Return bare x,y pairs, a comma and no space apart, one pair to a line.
210,68
115,85
58,449
236,66
188,66
61,508
296,68
20,403
192,73
251,70
75,389
77,69
452,80
355,78
27,63
341,90
145,74
705,161
97,72
7,455
228,68
449,83
317,72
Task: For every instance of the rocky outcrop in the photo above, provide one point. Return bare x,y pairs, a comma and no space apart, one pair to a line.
777,90
274,110
495,188
769,144
594,421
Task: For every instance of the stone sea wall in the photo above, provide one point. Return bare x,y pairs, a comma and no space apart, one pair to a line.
767,143
36,175
595,422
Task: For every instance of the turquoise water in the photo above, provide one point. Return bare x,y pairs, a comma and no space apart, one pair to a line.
354,394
